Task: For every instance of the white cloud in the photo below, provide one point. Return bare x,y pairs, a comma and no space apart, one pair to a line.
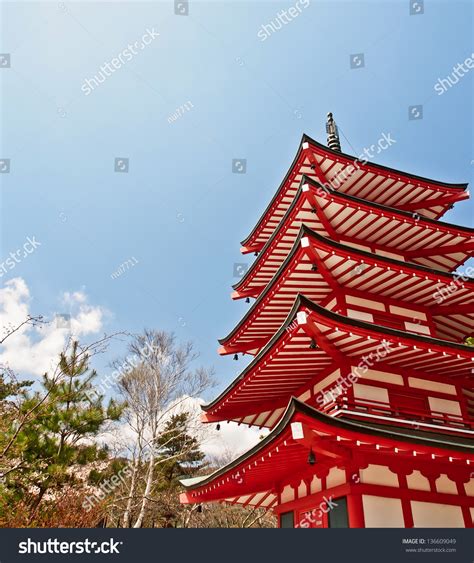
228,442
69,298
231,440
32,350
222,445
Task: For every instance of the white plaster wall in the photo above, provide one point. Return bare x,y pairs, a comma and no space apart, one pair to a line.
413,327
469,488
370,393
431,385
376,375
365,303
433,515
335,477
379,475
361,315
302,489
287,494
444,405
331,378
407,312
418,481
382,512
445,485
315,485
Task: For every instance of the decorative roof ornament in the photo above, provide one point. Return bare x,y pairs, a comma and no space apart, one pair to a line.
333,134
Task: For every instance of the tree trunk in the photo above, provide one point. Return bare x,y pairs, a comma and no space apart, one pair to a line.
36,504
133,485
146,494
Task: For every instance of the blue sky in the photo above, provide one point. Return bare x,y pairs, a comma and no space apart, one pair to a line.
180,211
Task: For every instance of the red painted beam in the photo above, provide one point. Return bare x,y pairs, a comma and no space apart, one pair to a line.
442,200
207,417
450,249
251,292
321,216
452,309
311,329
185,498
253,248
243,347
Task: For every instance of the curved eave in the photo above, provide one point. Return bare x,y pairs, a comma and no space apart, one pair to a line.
341,320
452,186
337,318
379,258
357,201
296,246
371,166
392,433
384,208
256,360
332,244
272,238
275,197
273,435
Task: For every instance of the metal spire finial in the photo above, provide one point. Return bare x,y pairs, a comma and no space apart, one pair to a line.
333,134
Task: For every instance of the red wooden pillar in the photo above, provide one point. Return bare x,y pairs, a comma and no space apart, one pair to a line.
462,403
406,505
355,510
466,512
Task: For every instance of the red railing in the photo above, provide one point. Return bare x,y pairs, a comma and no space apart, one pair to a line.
378,408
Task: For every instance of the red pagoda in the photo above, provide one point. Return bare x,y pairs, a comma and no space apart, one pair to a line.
361,367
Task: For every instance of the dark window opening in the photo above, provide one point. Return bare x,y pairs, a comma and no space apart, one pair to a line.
337,516
287,520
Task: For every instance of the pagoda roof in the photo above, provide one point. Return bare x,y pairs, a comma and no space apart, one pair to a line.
349,219
348,174
253,478
343,268
288,363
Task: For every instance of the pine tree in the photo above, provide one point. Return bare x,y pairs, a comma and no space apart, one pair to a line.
179,452
63,417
